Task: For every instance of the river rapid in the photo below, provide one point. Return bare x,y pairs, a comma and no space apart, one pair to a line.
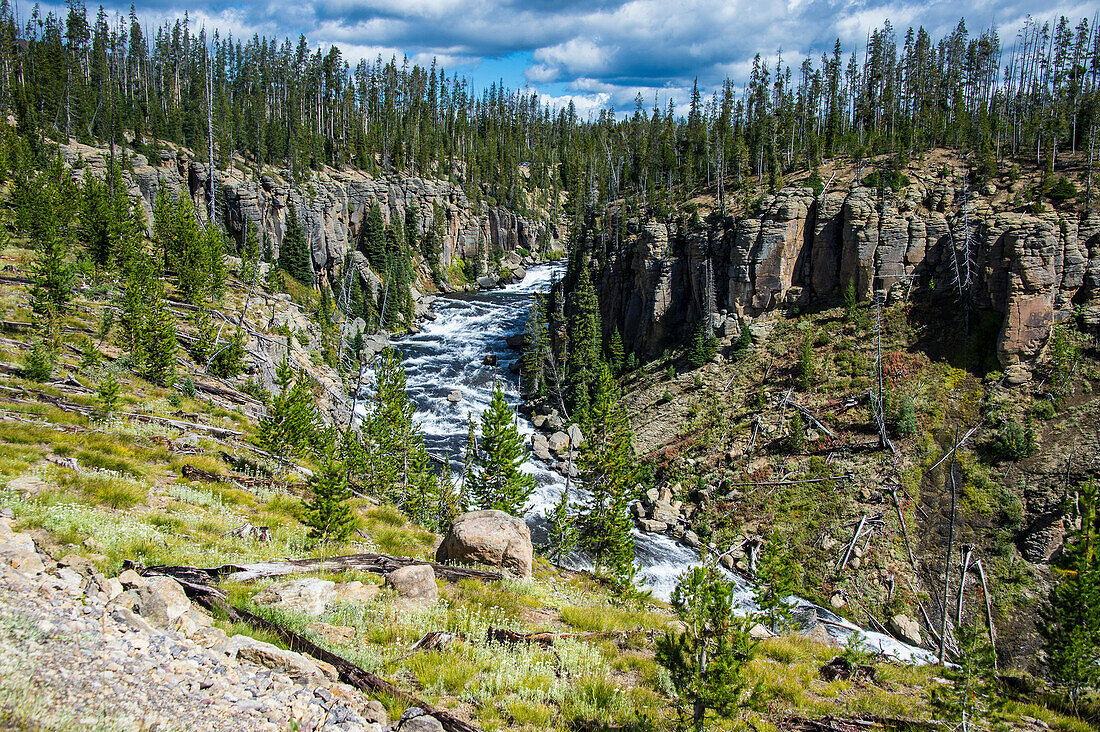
448,354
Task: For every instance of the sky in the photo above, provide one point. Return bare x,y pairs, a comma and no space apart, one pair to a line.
599,53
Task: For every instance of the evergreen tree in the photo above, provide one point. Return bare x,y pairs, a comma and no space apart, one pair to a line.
1069,619
616,353
159,345
398,468
585,335
497,481
703,346
706,661
294,255
536,350
373,243
970,696
777,578
290,423
327,513
608,470
561,529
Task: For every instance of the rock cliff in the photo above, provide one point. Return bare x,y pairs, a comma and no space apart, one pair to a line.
796,248
331,204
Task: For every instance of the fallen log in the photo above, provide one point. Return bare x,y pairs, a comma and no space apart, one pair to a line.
365,562
546,639
215,601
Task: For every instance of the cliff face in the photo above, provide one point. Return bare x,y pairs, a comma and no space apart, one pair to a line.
801,249
331,205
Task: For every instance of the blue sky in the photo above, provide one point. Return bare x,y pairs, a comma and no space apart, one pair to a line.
601,52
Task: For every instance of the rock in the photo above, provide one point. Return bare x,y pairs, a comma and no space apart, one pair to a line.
727,561
1017,374
637,510
415,583
540,446
905,629
837,601
455,396
820,634
415,719
161,600
558,442
691,538
493,538
760,632
308,596
30,485
576,437
652,527
486,282
356,592
518,273
295,665
130,578
665,512
490,359
337,634
515,342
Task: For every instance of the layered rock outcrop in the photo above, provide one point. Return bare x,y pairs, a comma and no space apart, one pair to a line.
798,248
331,205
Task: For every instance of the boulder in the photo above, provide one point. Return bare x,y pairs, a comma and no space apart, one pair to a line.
295,665
540,446
486,282
160,600
455,396
356,592
515,342
19,552
652,527
559,442
576,437
493,538
490,359
308,596
905,629
336,634
415,584
415,719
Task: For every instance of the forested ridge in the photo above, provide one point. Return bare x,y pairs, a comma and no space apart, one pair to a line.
288,104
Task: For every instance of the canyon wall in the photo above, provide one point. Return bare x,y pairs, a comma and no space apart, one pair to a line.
331,205
801,249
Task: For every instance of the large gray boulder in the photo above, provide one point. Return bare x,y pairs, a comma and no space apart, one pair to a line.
309,596
493,538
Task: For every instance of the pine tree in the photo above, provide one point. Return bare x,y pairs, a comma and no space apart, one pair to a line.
608,470
616,353
327,513
290,423
497,481
706,661
970,696
584,336
536,349
373,243
1070,617
159,345
398,468
777,578
294,252
561,529
703,346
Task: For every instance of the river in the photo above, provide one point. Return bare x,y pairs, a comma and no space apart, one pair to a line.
448,354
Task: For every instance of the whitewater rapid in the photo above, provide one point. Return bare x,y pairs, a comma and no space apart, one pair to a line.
448,355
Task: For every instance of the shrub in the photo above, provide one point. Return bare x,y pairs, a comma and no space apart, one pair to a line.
1063,190
1013,441
39,363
